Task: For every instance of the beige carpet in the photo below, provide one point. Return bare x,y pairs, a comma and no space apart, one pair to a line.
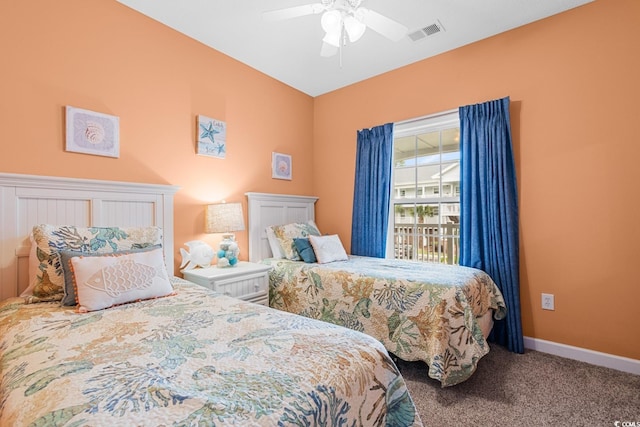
531,389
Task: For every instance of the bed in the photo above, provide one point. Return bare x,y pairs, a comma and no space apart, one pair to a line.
187,356
434,313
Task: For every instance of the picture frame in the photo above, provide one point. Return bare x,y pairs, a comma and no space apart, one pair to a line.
90,132
212,137
281,166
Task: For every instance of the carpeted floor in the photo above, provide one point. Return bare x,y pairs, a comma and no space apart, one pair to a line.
531,389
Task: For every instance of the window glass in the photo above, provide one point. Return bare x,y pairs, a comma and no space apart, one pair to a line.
426,190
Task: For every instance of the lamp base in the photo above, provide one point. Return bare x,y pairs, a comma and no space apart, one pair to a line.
228,251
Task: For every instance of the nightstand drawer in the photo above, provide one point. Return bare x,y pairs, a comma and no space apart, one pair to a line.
248,281
246,287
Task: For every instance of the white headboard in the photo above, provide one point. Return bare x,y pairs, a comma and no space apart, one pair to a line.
274,209
28,200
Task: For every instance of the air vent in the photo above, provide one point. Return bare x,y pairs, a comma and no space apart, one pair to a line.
426,31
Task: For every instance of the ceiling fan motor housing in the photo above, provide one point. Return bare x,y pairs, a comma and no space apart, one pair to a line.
342,14
341,19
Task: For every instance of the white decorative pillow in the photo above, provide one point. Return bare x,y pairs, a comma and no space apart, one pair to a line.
328,248
109,280
65,260
33,267
49,240
274,244
284,235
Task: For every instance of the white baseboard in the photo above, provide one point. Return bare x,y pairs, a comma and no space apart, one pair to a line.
619,363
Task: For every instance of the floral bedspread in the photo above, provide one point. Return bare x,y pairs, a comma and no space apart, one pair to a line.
195,358
419,311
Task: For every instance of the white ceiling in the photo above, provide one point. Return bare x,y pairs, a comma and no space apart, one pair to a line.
289,51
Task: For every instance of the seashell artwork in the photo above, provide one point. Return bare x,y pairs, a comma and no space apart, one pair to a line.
94,133
280,166
89,132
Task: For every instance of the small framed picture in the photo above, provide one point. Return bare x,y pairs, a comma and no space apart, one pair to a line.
212,137
89,132
280,166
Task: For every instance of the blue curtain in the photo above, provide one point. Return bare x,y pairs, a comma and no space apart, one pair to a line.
372,191
489,205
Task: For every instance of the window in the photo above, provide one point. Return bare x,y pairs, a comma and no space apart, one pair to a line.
425,223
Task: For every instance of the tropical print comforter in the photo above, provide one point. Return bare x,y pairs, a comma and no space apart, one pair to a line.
419,311
196,358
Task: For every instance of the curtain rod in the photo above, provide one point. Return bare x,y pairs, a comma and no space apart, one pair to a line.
428,116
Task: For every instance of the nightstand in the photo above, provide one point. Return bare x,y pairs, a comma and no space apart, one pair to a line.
246,280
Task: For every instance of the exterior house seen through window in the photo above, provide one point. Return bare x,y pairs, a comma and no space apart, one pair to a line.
425,200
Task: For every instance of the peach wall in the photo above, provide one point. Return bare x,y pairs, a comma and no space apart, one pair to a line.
573,83
572,79
111,59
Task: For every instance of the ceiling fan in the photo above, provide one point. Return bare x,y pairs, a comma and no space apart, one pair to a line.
342,19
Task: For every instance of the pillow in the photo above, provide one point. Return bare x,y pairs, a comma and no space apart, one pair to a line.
33,267
69,291
286,233
274,244
328,248
305,250
48,282
113,279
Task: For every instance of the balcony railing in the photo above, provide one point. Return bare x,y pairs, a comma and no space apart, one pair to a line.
428,242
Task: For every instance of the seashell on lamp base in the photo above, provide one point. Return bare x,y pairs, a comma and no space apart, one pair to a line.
228,252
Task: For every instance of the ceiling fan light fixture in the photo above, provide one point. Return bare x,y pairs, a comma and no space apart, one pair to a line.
331,21
332,38
355,29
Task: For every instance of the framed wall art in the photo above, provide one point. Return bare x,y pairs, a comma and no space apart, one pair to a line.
280,166
90,132
212,137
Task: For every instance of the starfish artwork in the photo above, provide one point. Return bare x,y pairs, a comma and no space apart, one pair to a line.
208,132
212,135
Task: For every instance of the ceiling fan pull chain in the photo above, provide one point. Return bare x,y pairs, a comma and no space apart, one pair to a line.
344,43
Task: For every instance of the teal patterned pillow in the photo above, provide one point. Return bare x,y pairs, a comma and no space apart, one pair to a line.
305,249
286,233
48,283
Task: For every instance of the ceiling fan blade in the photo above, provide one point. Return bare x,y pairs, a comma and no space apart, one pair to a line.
328,50
381,24
293,12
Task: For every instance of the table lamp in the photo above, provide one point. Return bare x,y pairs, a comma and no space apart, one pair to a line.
225,218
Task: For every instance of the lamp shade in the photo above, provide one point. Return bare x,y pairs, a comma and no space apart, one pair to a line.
355,29
332,38
224,218
331,21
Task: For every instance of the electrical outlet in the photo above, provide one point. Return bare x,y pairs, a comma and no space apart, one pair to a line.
548,302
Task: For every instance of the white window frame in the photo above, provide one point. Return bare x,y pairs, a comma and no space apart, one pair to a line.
434,122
